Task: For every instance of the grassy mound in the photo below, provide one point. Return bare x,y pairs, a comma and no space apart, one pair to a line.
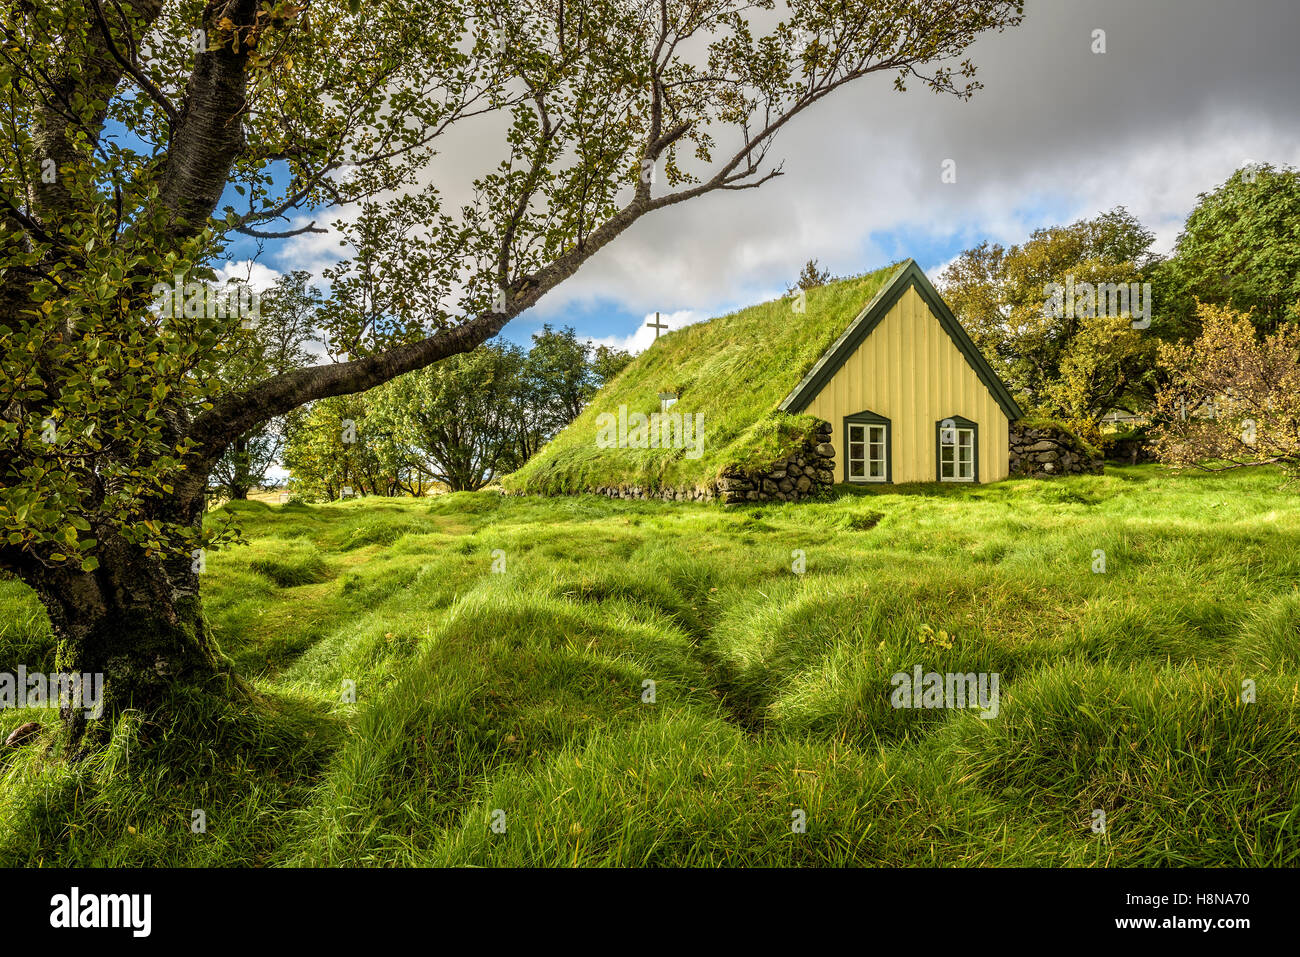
1092,738
637,684
732,371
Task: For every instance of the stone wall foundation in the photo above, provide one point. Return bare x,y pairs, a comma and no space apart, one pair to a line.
1044,451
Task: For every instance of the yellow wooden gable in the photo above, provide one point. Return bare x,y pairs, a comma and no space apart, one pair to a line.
908,394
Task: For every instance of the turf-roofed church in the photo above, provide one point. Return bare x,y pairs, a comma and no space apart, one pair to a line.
869,379
910,397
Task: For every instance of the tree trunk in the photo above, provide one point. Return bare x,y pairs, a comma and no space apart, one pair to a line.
238,486
136,621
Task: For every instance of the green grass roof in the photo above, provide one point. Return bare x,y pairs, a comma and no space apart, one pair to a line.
732,371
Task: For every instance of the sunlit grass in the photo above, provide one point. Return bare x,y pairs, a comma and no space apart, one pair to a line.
521,696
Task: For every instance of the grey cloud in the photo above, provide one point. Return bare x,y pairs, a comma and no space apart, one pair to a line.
1187,91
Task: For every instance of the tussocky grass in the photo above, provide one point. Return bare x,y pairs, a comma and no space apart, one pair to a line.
520,697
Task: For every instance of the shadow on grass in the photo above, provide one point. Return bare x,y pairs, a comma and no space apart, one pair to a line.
208,782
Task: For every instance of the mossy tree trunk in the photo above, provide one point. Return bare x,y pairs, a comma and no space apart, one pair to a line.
137,621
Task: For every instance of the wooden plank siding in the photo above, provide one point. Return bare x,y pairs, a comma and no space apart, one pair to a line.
909,371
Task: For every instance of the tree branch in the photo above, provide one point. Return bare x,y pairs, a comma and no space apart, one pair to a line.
155,94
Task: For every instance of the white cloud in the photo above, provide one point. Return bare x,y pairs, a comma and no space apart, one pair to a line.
257,275
641,340
315,251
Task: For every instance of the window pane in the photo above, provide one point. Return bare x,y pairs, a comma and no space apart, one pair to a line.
945,453
855,469
855,451
855,433
946,470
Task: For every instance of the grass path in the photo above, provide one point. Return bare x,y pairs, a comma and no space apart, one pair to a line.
520,697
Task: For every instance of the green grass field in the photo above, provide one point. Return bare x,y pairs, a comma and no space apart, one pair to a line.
521,691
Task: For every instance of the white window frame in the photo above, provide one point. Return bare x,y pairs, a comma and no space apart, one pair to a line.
954,458
867,442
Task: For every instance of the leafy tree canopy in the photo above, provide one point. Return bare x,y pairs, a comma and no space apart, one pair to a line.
1088,359
1240,247
1233,396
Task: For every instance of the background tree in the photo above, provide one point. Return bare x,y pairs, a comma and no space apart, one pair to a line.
607,362
1075,367
458,416
127,126
246,462
275,342
810,278
1233,399
461,423
337,444
1240,247
558,378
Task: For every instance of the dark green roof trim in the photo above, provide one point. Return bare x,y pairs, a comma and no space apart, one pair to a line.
843,347
908,275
